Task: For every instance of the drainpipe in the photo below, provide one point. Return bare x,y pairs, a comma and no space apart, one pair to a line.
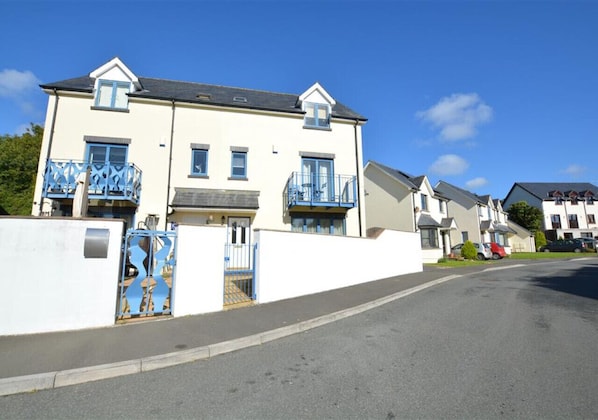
50,138
169,167
413,207
357,167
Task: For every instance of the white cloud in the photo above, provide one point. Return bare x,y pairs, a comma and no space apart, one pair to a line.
575,170
476,183
14,83
449,165
457,116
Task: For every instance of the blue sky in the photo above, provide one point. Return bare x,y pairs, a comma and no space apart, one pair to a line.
480,94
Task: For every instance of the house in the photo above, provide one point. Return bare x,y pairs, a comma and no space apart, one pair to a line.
159,152
569,208
399,201
480,218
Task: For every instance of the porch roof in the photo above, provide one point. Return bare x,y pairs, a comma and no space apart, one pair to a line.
448,223
217,199
426,220
490,226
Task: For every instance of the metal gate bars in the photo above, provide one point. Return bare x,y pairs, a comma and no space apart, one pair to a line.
239,273
147,274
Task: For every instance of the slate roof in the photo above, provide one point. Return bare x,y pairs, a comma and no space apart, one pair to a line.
425,220
402,177
542,190
447,223
459,195
200,93
211,198
490,226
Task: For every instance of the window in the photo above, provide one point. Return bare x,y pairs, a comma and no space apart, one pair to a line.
591,219
239,165
424,200
464,236
317,179
590,200
441,206
586,235
323,224
558,201
429,238
199,162
106,154
568,235
573,221
112,94
316,115
555,219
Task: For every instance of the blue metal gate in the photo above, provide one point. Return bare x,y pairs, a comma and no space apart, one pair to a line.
148,272
239,273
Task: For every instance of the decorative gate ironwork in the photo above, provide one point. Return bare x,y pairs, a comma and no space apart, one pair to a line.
239,273
148,273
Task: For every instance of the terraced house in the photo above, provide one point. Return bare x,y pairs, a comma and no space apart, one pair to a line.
480,218
569,209
158,152
400,201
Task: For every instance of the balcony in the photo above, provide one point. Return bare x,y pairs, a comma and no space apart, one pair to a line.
315,190
120,181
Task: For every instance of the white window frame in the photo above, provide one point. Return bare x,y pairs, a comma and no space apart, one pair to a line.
112,86
311,120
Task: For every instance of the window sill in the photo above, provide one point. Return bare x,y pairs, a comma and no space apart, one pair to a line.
102,108
198,176
313,127
237,178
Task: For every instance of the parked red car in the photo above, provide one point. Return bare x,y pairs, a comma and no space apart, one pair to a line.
498,251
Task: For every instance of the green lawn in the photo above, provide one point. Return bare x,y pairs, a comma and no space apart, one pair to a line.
541,255
517,256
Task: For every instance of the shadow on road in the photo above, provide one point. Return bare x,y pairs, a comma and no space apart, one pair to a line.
581,282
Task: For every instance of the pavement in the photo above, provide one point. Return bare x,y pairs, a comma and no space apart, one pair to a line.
51,360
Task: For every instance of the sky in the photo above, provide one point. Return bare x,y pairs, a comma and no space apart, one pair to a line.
480,94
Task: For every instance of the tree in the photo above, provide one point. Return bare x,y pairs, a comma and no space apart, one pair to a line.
540,239
19,156
526,216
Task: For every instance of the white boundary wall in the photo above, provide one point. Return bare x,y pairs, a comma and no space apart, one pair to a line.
199,270
47,284
296,264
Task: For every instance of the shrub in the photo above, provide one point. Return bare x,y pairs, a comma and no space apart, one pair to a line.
468,251
540,239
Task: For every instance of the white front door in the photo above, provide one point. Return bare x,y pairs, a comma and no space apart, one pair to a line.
238,242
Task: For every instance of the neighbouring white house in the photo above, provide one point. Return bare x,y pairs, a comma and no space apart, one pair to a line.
161,152
480,218
569,208
399,201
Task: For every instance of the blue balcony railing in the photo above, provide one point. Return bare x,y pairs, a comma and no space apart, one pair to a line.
120,181
315,190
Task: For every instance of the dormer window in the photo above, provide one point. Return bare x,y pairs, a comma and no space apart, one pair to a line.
316,115
112,94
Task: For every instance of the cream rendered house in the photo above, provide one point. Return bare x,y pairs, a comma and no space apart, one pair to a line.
161,152
396,200
480,218
570,209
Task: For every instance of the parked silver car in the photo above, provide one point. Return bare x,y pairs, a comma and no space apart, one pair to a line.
484,251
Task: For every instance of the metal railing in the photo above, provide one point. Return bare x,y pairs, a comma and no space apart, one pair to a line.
239,273
115,181
307,189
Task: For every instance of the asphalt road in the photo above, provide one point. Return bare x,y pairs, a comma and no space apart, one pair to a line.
514,343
